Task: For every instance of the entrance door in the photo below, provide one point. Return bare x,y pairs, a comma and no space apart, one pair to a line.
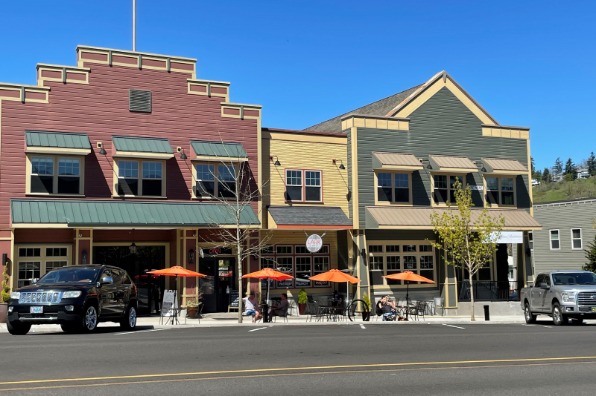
217,286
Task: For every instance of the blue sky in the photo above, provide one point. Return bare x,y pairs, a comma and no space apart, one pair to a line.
528,63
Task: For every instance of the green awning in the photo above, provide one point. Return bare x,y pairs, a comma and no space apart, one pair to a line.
145,147
57,142
218,150
26,213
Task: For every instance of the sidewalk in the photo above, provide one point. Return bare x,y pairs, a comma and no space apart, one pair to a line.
224,319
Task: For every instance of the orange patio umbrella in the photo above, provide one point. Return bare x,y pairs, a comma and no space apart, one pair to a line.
336,276
269,274
408,276
177,271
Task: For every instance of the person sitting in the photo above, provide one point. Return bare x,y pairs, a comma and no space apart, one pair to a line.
281,308
387,308
250,308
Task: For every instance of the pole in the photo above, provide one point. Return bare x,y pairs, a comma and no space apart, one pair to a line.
134,25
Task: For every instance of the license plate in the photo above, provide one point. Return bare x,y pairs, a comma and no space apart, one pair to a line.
36,310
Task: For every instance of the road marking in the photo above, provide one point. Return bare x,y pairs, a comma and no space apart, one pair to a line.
362,326
139,331
257,329
456,327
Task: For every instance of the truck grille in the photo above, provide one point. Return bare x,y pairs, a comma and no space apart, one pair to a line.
49,297
586,298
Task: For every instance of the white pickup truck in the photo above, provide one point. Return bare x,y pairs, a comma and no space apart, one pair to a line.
563,295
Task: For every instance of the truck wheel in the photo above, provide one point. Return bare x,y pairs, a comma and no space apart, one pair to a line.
90,318
17,328
129,321
530,318
558,317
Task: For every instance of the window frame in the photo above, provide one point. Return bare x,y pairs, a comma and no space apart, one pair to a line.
450,190
218,188
379,253
45,260
551,240
140,177
56,176
392,175
291,254
573,239
303,186
500,191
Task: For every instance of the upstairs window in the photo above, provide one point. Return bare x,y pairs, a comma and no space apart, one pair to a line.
215,180
555,242
444,188
140,178
393,187
55,175
303,186
576,239
499,191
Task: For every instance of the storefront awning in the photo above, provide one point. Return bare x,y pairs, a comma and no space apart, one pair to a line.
34,213
45,142
142,147
309,217
504,166
218,151
396,161
419,218
451,164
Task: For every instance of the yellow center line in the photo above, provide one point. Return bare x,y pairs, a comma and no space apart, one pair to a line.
261,371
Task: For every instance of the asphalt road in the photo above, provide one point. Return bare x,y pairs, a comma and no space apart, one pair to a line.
345,359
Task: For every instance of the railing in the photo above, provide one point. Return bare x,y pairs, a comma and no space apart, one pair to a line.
489,290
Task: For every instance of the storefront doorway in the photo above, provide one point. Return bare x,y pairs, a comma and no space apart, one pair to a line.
218,286
146,258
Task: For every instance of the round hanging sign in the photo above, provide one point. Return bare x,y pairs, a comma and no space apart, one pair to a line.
314,243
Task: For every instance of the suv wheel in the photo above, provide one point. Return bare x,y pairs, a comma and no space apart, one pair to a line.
129,321
530,318
558,317
17,328
90,318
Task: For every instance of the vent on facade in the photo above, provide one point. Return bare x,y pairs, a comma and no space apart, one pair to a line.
139,101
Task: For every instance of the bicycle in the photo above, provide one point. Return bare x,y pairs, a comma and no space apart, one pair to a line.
353,309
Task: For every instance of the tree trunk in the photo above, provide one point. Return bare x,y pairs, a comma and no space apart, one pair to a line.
471,279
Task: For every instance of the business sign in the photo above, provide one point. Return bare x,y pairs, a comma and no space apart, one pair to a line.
508,237
314,243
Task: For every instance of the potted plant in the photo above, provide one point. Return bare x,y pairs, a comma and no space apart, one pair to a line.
192,307
4,295
302,300
366,310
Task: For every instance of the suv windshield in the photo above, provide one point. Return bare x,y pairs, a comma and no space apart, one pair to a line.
70,275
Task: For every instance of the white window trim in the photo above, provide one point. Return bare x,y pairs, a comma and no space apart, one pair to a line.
581,237
55,158
140,162
500,190
303,186
392,203
550,239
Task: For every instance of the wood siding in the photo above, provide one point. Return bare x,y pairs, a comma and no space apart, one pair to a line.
443,125
101,110
563,216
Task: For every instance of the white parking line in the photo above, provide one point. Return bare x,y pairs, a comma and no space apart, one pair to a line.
259,328
139,331
457,327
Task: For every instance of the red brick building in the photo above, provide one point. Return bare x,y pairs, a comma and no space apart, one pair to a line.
108,162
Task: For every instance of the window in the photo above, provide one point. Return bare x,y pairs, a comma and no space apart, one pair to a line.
33,262
555,243
530,240
298,262
215,180
303,186
444,188
55,175
576,238
499,190
393,187
413,256
150,183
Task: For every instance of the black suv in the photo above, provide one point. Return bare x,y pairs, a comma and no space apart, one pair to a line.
77,297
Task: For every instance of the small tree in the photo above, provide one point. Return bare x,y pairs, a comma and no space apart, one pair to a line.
558,167
468,238
5,285
546,177
591,256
